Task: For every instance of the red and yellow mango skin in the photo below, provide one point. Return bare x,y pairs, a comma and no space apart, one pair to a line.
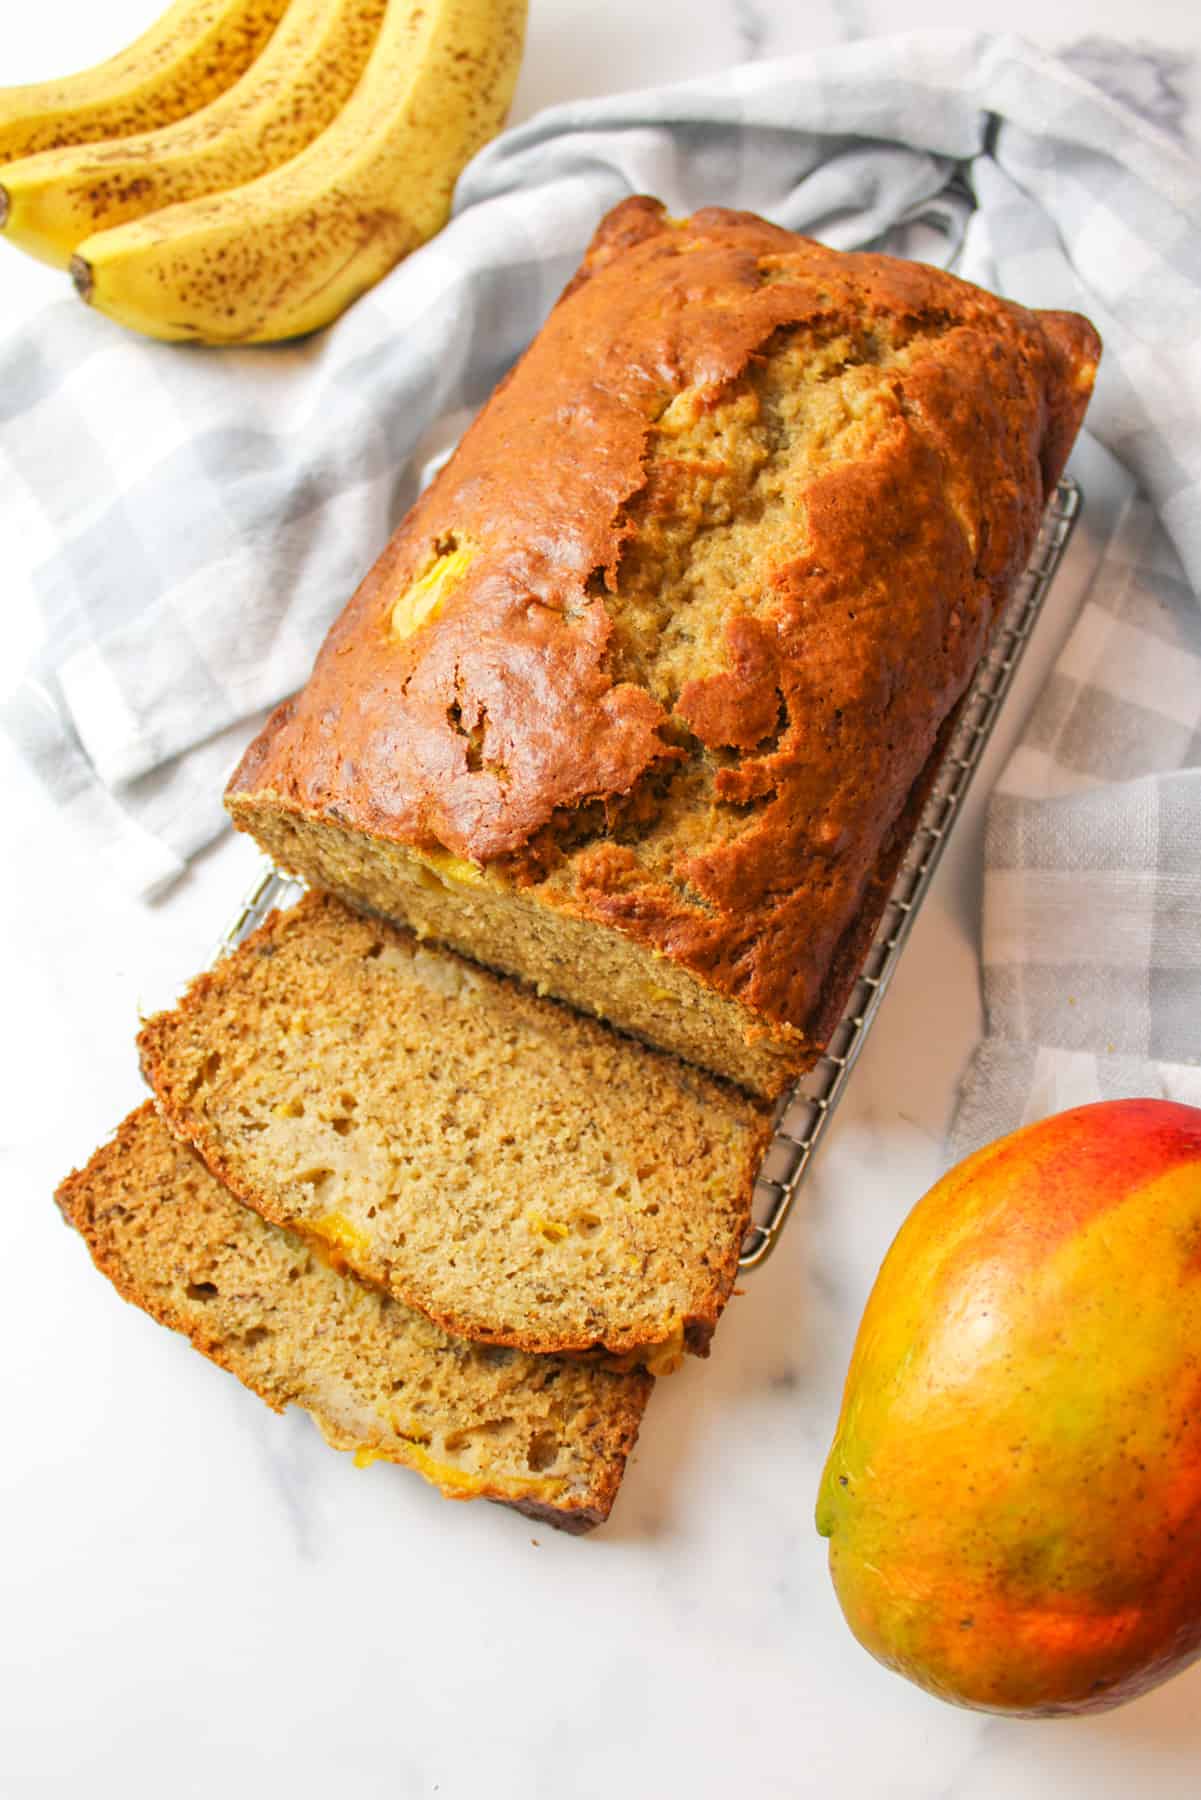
1013,1496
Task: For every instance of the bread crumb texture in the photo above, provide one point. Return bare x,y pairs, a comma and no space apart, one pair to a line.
549,1437
521,1174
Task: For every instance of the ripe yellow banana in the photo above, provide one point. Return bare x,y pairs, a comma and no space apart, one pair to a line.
196,50
288,252
49,203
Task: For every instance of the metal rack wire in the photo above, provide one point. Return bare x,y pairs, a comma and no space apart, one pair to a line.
806,1111
272,889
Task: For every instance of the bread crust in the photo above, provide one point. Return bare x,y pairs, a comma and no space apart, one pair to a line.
865,636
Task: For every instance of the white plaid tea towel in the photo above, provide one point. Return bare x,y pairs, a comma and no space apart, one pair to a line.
182,525
1092,892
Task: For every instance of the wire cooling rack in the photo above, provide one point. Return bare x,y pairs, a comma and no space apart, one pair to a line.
272,889
806,1111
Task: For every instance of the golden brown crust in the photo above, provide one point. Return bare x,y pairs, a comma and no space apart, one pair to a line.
140,1169
488,729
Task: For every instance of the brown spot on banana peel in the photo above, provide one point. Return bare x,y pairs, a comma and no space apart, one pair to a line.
4,203
81,274
365,227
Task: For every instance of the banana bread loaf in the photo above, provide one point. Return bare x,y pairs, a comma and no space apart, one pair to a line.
638,701
519,1173
547,1437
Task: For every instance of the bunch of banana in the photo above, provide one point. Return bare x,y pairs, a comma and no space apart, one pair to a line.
303,78
267,211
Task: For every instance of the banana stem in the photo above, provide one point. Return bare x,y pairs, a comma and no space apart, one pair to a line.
81,275
3,207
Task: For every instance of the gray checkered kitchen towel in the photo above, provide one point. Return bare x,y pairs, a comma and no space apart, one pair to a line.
181,525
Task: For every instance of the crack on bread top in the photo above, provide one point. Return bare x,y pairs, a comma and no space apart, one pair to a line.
723,495
723,498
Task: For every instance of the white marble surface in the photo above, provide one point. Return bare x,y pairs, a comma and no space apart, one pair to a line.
201,1599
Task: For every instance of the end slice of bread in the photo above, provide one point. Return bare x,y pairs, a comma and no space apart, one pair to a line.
520,1174
547,1437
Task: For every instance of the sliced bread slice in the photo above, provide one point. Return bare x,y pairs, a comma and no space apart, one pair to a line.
548,1437
521,1174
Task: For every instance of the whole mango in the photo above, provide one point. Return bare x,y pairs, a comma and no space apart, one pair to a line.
1013,1496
